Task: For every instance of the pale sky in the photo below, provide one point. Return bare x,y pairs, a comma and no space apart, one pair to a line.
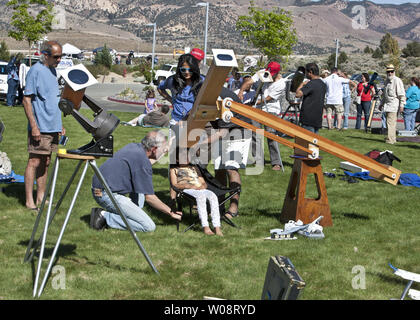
391,1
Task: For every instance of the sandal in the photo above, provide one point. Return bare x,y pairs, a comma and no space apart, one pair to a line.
232,214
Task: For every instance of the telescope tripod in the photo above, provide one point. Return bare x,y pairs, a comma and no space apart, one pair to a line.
295,108
88,160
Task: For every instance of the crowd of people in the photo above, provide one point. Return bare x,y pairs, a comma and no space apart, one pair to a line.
129,171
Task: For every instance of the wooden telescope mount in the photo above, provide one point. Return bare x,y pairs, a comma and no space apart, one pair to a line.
208,107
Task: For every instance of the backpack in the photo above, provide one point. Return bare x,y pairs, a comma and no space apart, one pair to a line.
5,164
385,157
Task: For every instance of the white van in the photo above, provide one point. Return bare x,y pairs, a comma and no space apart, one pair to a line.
163,73
3,80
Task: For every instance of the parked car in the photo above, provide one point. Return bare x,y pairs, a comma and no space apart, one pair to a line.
113,52
3,80
30,60
163,73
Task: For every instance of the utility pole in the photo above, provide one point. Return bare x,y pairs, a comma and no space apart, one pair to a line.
336,54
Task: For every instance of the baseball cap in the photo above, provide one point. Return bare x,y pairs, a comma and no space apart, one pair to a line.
273,67
197,53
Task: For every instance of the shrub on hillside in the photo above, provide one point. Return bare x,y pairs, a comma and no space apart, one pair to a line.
119,69
97,69
412,49
377,54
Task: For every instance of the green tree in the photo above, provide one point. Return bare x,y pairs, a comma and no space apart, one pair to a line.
389,45
368,50
342,58
271,32
4,51
412,49
104,57
377,54
31,20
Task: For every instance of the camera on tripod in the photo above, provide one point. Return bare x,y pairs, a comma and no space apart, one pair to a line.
293,85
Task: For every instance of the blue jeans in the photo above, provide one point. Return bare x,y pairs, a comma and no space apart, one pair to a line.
410,119
312,129
365,107
346,104
383,120
131,207
12,86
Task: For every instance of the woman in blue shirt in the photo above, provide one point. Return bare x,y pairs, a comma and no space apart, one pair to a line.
184,86
412,104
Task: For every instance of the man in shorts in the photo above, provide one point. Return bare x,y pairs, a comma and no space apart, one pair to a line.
41,97
334,101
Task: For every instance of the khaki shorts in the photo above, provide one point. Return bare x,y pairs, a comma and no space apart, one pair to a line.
45,146
339,108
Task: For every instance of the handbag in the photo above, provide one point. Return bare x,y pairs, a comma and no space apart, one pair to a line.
358,99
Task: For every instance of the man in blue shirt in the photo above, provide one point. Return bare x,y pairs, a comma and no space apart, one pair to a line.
12,82
41,97
129,171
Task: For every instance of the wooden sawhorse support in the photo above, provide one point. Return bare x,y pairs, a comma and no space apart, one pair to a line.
89,160
296,206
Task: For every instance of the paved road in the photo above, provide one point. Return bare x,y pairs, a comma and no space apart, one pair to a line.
101,91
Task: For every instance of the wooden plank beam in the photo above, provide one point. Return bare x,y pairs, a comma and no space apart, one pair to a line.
377,170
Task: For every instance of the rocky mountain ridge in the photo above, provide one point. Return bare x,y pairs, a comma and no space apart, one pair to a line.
181,23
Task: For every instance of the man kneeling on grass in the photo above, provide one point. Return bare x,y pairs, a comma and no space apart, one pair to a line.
129,171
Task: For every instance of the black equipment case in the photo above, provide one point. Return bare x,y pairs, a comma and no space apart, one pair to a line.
282,281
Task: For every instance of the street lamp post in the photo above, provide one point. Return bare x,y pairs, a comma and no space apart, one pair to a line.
336,53
205,4
153,46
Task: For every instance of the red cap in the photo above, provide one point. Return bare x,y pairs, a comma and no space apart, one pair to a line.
197,53
273,67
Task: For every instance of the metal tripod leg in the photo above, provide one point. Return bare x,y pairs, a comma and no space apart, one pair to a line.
38,218
30,245
66,220
111,196
44,236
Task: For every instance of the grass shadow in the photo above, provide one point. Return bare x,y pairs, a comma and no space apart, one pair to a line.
364,138
356,216
269,213
15,191
85,219
63,250
411,146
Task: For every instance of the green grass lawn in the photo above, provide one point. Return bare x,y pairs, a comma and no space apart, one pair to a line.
374,223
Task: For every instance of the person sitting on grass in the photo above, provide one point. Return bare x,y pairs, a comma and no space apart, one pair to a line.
156,118
185,176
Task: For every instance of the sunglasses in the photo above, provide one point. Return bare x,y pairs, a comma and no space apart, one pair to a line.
185,70
390,71
56,57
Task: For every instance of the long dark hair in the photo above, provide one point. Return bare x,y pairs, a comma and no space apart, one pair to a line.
366,76
179,80
416,81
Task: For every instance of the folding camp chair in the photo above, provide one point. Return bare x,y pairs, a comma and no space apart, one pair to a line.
417,127
410,277
223,193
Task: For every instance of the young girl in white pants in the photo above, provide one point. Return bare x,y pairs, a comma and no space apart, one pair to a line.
187,177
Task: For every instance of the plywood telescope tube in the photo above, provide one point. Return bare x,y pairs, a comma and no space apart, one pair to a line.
207,108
